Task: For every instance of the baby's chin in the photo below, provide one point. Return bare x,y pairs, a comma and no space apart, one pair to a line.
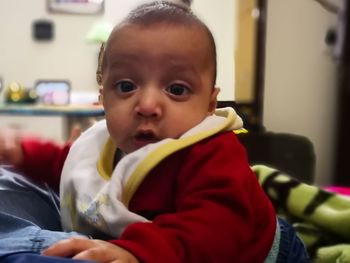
141,140
142,143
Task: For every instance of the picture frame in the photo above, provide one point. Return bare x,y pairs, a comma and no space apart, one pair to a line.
83,7
53,92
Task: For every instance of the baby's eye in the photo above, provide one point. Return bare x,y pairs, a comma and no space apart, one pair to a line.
178,90
125,86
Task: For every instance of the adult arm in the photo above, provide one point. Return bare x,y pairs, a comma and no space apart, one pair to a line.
43,160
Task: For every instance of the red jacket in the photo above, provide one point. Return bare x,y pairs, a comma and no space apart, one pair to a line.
204,201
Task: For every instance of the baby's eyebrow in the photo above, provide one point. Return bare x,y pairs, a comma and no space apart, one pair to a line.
121,65
123,59
182,67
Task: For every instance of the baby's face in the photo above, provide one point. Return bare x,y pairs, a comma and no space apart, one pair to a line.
157,83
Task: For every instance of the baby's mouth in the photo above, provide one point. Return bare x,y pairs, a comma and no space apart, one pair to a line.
146,137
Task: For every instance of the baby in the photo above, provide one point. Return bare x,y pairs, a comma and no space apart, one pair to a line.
163,178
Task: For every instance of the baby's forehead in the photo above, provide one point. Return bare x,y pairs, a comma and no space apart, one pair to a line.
161,28
172,41
205,43
156,25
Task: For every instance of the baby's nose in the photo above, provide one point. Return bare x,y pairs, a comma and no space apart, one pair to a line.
149,104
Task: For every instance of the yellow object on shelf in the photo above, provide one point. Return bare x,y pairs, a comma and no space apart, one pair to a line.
15,92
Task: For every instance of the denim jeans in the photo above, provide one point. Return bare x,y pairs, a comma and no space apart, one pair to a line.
20,235
37,258
29,219
291,247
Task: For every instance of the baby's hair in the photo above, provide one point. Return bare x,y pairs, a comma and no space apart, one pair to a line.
158,12
187,2
99,65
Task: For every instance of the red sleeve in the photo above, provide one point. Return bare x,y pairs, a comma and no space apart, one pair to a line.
43,161
220,212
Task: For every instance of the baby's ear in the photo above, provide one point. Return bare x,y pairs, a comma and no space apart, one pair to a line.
100,95
213,100
99,78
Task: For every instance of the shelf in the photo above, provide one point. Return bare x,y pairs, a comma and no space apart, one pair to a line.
45,110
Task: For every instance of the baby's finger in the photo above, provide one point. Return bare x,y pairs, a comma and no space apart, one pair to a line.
106,252
97,254
69,247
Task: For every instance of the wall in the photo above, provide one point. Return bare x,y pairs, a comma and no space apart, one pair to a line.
218,15
245,50
300,84
70,57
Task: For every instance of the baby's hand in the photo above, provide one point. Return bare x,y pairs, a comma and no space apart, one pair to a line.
11,152
90,249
